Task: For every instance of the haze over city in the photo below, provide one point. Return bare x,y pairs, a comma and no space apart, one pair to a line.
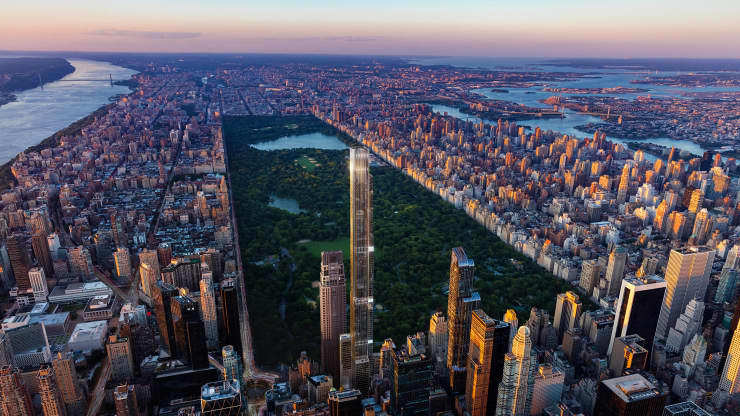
542,28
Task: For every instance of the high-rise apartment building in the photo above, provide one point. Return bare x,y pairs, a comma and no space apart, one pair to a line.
208,307
345,360
163,294
20,261
461,302
80,262
361,265
148,277
437,339
120,357
41,251
66,378
14,400
615,270
729,381
548,388
413,372
590,273
37,278
687,277
567,313
630,395
221,398
489,344
124,397
517,383
333,310
637,309
51,401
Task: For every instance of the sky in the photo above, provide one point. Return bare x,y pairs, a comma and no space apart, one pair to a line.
520,28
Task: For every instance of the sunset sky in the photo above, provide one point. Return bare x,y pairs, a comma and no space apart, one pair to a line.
542,28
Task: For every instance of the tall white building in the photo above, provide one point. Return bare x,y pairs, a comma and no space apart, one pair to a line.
517,384
208,307
37,278
687,325
729,382
687,277
548,388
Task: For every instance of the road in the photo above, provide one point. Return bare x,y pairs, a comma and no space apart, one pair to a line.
98,393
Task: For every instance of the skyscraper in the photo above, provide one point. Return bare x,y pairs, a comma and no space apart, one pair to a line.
37,278
461,302
548,388
637,309
489,343
437,339
163,294
517,383
567,313
345,360
125,399
361,264
66,377
630,395
687,277
412,381
120,357
232,366
511,319
221,398
230,329
729,381
189,331
51,401
628,352
14,400
590,272
615,270
19,261
333,307
41,251
208,307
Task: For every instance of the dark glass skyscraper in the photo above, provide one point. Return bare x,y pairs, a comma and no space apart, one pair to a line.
163,294
190,333
461,302
637,309
361,264
489,343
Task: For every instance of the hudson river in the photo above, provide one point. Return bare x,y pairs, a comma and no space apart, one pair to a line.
41,112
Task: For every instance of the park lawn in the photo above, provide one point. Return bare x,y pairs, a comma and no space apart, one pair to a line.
306,163
316,247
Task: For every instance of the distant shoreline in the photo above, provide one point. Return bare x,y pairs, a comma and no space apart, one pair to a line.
22,74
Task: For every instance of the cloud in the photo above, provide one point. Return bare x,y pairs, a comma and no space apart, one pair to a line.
144,34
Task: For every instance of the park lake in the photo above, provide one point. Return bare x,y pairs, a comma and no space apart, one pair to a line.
304,141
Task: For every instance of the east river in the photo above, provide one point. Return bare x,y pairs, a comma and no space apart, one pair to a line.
40,112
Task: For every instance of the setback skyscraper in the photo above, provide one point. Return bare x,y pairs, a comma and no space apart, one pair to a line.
517,383
461,302
361,264
332,300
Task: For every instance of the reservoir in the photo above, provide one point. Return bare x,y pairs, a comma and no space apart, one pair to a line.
41,112
303,141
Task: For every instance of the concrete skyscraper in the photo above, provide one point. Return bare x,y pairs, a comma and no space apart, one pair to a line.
37,278
615,270
461,302
567,313
361,265
208,307
548,388
51,401
517,383
687,277
14,400
333,307
66,377
120,357
489,344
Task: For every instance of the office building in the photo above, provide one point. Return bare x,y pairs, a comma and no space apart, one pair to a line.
120,357
615,270
163,295
124,397
230,328
629,352
14,400
489,344
30,345
80,262
590,274
548,388
37,279
729,381
517,383
345,403
189,332
221,398
630,395
637,309
687,325
687,277
208,307
69,388
361,265
41,251
567,313
231,362
413,371
333,310
20,261
461,302
51,401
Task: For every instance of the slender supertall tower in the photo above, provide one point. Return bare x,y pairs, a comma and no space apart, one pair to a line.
361,264
687,277
517,383
461,302
51,401
333,302
208,307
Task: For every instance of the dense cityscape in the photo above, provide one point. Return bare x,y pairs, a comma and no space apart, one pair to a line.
125,282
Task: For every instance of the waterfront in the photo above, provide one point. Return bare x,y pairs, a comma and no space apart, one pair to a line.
40,112
303,141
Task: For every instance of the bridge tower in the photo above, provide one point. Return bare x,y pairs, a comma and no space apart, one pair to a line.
110,76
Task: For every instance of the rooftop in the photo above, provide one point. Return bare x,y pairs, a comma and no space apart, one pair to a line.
219,390
632,388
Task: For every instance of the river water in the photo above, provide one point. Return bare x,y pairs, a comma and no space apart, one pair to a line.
597,78
40,112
